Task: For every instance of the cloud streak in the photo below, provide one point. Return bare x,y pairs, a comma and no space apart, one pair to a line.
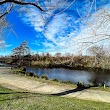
67,32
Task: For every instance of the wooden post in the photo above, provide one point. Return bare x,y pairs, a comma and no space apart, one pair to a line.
104,86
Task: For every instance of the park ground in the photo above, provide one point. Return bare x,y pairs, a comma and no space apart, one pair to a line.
29,93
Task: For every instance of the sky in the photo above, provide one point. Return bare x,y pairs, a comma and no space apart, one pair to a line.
64,29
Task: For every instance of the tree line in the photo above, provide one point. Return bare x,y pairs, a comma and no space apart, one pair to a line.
97,57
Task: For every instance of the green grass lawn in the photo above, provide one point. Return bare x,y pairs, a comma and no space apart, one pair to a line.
13,100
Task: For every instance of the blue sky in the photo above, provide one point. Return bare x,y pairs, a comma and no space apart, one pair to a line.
61,31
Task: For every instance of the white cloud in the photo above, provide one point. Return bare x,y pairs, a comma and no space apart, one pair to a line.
8,45
98,29
57,37
37,43
33,18
2,43
56,27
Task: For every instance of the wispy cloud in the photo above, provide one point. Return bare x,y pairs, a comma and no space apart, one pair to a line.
8,45
94,32
56,27
67,32
33,18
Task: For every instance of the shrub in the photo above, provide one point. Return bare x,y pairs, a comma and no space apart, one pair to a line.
55,80
44,77
22,70
29,74
67,82
80,85
35,75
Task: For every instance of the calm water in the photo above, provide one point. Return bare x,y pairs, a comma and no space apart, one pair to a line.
75,76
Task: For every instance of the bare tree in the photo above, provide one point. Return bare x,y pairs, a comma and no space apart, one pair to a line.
21,50
21,54
98,52
97,25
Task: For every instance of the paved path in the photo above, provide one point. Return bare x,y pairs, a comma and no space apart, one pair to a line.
19,82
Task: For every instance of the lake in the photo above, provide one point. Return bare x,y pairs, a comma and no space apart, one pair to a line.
87,77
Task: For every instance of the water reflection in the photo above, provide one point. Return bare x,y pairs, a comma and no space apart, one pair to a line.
70,75
87,77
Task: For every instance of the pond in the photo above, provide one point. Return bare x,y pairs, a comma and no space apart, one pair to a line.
97,78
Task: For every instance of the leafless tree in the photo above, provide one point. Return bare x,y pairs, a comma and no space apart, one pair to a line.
97,24
98,52
21,50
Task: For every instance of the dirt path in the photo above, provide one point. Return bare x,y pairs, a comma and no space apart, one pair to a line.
18,82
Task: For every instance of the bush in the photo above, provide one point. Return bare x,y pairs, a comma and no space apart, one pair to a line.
44,77
22,70
35,75
29,74
68,82
80,85
55,80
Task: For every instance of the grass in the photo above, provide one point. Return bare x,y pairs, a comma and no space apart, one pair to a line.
13,100
101,88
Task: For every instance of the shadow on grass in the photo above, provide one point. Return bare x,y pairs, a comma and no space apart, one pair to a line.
18,95
71,91
3,93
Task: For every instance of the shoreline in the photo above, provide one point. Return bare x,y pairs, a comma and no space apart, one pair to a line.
37,85
65,67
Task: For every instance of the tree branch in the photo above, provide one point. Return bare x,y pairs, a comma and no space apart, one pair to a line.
21,3
6,12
